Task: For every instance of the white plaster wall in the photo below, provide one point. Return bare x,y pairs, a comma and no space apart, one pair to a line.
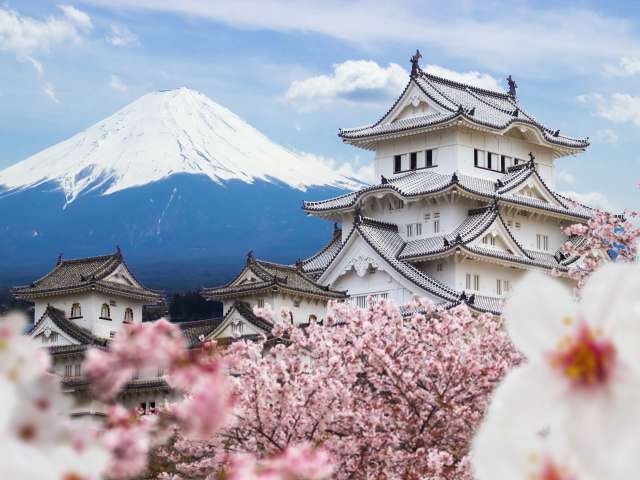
529,229
455,148
489,273
279,301
371,284
414,211
448,273
90,304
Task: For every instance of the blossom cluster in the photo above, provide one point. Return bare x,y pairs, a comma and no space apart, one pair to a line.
38,439
605,237
384,395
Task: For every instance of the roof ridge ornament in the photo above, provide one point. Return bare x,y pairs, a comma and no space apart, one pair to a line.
532,157
59,261
383,180
357,220
250,258
512,87
415,68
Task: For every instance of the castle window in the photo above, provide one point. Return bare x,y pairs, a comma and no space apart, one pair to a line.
68,370
105,312
128,315
261,303
77,370
296,303
489,240
430,160
436,226
414,160
476,283
160,372
414,229
237,327
502,286
76,311
504,161
397,164
542,242
361,301
468,281
438,267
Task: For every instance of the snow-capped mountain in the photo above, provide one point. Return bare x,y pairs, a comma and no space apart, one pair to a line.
162,134
183,185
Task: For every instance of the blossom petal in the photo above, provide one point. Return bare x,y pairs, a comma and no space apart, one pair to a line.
611,301
535,312
604,429
523,425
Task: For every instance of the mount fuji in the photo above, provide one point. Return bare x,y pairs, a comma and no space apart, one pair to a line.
182,184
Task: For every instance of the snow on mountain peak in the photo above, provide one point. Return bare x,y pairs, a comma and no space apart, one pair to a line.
163,133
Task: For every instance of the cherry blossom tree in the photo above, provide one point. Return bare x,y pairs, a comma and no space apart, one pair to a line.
605,237
385,396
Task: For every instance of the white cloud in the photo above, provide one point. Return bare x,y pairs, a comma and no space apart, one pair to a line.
606,136
617,107
519,35
35,63
121,37
362,80
482,80
81,19
363,173
592,199
563,176
366,81
117,84
625,67
24,36
49,91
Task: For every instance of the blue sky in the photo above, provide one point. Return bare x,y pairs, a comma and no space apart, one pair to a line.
299,70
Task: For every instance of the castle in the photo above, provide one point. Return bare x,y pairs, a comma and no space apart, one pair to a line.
465,206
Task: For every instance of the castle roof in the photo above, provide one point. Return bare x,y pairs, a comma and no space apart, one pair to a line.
259,276
88,274
424,183
454,102
385,240
82,335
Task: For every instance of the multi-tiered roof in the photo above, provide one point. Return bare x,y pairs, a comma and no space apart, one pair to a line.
461,104
262,277
86,275
424,183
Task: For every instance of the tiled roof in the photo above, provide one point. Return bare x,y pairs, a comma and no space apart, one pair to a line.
319,261
194,329
478,221
58,317
385,240
425,182
82,275
495,110
273,276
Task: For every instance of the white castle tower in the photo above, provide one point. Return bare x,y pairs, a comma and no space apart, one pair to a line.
465,204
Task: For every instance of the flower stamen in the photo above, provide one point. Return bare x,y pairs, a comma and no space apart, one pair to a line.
584,359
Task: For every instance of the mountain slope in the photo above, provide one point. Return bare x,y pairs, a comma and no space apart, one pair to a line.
184,186
162,134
